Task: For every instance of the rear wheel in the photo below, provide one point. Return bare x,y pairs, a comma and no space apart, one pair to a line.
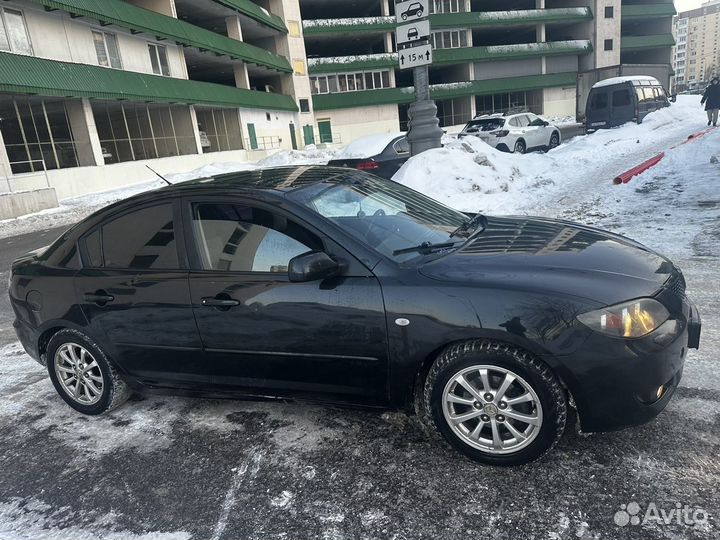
495,403
520,147
82,375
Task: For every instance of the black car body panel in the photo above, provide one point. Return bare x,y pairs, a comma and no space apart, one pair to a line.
364,335
385,164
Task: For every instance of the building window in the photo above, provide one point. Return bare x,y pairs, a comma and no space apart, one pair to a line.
609,12
132,131
350,82
219,129
304,105
106,49
37,134
158,59
13,32
447,6
608,44
449,39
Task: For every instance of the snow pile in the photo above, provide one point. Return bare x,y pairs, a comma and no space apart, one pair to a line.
310,156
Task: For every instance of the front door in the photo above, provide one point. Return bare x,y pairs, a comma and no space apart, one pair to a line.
252,136
325,131
135,295
268,335
308,134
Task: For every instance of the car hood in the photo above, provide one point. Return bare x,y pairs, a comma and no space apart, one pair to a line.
555,256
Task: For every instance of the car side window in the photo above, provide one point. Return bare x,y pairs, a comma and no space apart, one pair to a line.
402,146
143,240
523,121
93,249
514,122
235,238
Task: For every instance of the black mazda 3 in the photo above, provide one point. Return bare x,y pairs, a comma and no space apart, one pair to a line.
336,285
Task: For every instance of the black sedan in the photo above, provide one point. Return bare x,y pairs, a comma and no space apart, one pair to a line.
381,155
336,285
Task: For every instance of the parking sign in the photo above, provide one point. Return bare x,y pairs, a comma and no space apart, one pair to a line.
411,10
418,31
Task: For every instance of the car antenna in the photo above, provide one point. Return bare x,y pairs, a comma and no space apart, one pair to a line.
160,175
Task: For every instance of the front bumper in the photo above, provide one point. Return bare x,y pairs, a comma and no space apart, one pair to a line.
618,383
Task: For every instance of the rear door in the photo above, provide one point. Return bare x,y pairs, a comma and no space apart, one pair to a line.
267,335
536,131
598,109
133,290
622,105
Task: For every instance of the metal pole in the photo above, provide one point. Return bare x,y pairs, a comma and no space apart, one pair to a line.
424,130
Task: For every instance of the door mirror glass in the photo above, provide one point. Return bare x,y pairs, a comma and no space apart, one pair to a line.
311,266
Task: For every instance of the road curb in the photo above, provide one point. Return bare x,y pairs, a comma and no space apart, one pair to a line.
628,175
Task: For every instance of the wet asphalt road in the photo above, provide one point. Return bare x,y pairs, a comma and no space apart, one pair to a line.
198,468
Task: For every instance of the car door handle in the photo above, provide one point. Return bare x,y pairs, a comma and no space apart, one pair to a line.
99,297
210,301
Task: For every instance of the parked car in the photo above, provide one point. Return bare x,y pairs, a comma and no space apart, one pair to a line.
518,133
382,155
617,101
414,10
337,285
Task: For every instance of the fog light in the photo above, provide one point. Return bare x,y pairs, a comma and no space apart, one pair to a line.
660,391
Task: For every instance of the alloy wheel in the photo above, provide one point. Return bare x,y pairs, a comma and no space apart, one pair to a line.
492,409
79,373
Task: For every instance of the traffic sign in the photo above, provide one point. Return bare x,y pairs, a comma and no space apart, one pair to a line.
415,56
411,10
415,31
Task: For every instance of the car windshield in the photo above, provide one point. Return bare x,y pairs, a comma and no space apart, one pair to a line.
486,124
382,214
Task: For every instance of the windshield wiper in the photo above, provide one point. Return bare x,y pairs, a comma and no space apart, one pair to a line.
424,248
471,224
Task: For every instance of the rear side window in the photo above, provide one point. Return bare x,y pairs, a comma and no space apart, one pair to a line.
523,121
141,240
621,98
599,101
402,146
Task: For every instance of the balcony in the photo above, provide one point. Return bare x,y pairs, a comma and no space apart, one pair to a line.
139,20
366,98
29,75
648,11
375,25
638,43
452,56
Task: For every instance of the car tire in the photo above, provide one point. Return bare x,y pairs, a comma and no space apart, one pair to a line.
404,16
520,147
554,140
73,357
535,394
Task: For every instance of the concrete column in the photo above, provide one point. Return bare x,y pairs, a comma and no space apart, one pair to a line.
473,105
5,170
82,123
234,31
195,130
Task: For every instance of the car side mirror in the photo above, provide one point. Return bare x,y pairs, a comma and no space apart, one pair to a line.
312,266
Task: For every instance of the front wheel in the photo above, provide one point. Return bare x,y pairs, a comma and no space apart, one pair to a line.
495,403
82,374
520,147
554,141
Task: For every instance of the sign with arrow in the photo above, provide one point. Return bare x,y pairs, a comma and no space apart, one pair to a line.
409,33
415,55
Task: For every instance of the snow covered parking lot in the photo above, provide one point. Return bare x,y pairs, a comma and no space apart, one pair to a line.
176,467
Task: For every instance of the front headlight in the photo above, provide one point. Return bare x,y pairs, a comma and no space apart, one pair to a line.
633,319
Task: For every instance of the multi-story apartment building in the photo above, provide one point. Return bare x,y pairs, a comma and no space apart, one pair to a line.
696,56
93,90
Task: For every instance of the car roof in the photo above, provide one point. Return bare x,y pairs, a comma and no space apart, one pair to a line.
630,78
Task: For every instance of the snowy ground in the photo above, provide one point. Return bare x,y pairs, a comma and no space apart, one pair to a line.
174,467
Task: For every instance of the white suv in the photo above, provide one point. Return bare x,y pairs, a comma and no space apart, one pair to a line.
514,132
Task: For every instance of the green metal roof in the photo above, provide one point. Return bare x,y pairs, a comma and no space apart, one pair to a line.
344,100
648,11
255,12
142,20
658,41
453,56
474,19
29,75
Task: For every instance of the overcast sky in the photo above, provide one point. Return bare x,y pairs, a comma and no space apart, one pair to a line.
685,5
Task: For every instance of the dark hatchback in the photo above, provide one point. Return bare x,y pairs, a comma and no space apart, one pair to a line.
377,154
339,286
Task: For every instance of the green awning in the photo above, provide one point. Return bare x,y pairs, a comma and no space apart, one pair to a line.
155,24
648,11
385,96
255,12
658,41
29,75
